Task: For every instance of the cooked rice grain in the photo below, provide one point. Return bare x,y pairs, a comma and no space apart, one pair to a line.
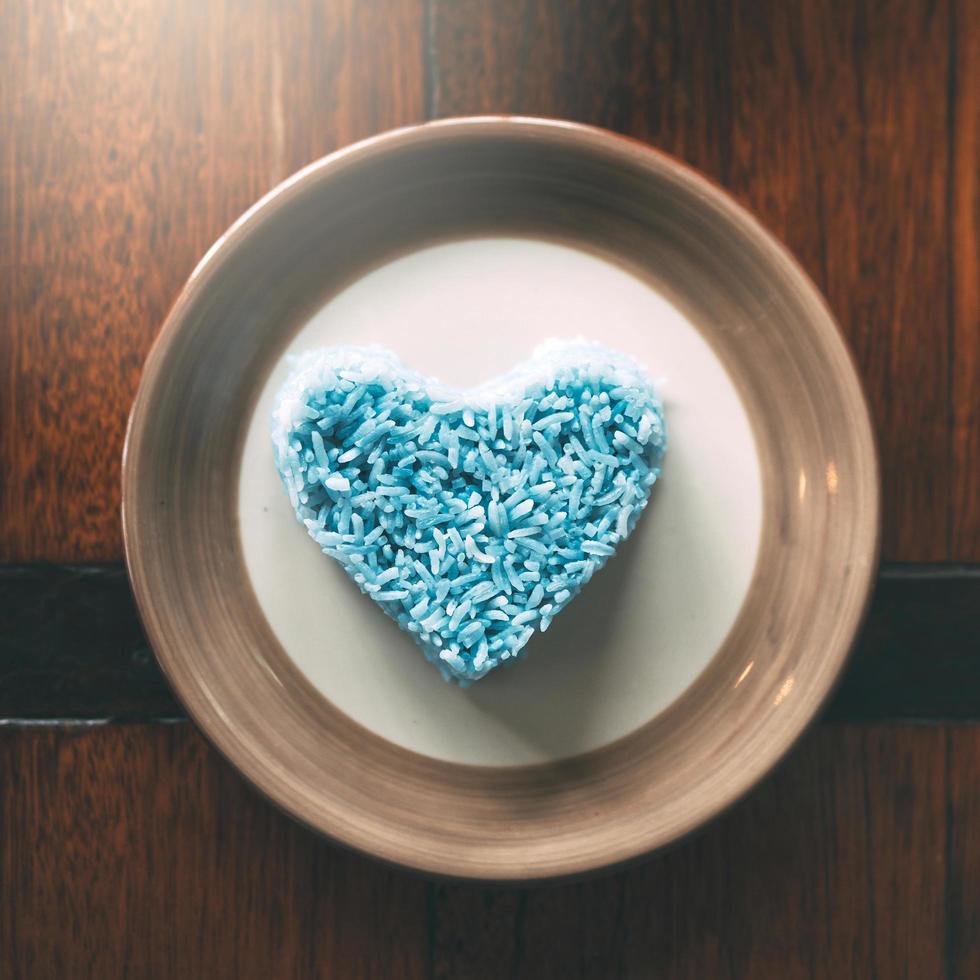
471,519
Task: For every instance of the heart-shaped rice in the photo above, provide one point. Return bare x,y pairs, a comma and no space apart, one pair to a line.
471,518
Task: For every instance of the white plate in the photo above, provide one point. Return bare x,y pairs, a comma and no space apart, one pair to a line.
641,631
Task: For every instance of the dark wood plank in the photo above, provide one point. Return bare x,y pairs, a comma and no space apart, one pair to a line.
918,653
821,117
659,71
133,135
963,852
964,83
841,147
137,852
71,646
834,868
833,125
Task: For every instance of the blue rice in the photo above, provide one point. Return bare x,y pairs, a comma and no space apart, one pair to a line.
474,519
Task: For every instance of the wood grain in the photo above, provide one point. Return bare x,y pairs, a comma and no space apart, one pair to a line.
655,71
135,851
134,140
851,141
834,868
133,136
964,84
963,850
833,154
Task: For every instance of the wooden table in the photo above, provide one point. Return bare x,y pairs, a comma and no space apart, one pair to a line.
132,134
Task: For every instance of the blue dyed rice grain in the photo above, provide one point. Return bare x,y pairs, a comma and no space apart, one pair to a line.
530,544
462,517
459,615
547,448
596,548
499,579
623,522
513,577
471,633
523,508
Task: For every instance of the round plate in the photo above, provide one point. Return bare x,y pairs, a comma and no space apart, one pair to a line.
681,674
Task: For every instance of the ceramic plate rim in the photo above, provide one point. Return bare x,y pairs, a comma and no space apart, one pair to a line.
250,222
